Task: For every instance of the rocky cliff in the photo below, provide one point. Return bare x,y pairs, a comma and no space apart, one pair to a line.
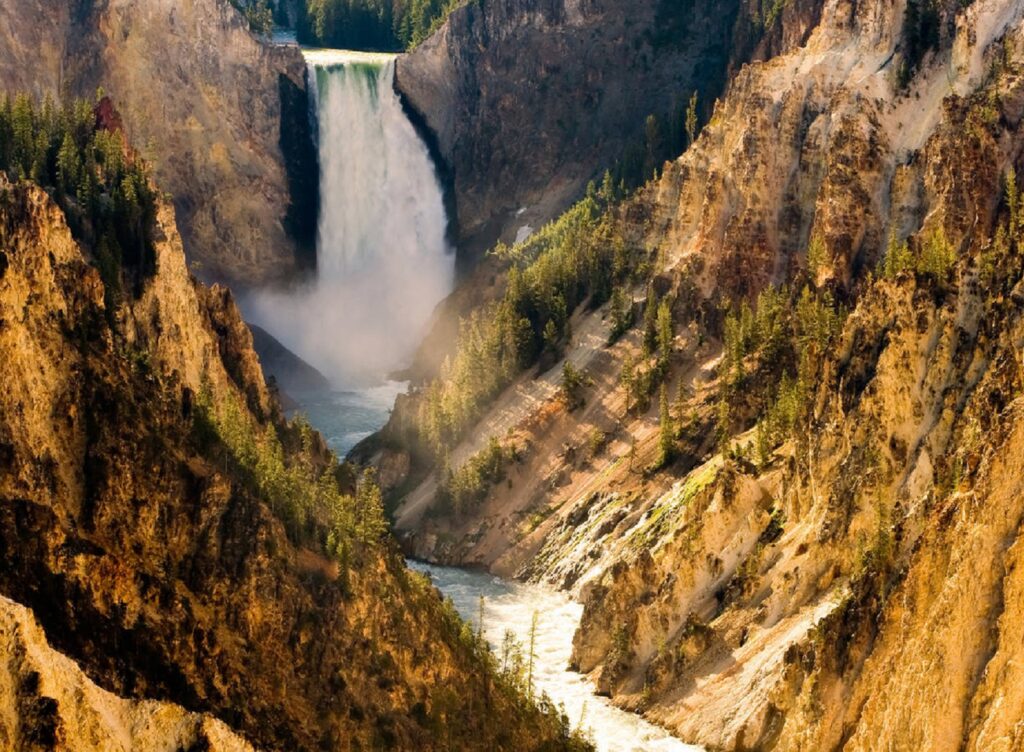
811,542
213,107
527,100
193,553
50,704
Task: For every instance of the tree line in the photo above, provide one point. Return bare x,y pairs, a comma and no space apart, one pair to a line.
386,25
579,258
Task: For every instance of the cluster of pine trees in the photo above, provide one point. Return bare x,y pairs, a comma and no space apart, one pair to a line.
771,358
387,25
462,490
303,486
101,186
580,258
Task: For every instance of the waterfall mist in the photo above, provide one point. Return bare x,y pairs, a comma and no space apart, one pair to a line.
384,262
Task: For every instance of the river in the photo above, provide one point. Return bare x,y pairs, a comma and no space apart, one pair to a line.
511,606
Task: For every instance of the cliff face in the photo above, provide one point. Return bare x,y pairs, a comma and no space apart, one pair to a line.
50,704
850,585
529,99
138,534
204,99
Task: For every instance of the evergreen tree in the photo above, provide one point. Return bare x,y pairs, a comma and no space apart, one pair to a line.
666,335
621,314
691,120
626,379
68,165
666,430
650,321
371,523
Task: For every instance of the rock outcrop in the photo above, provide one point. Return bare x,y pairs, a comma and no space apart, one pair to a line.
205,100
527,100
48,703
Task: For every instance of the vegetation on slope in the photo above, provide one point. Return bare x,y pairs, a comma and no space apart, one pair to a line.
580,258
75,152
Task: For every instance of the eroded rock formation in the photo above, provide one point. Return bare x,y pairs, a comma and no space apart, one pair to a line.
213,107
135,530
853,586
529,100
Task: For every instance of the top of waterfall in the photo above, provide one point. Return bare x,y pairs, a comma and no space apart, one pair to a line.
326,57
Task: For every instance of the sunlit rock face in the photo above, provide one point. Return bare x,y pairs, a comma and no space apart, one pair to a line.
856,587
151,558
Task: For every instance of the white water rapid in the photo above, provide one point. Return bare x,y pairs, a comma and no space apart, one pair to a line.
383,265
511,606
383,259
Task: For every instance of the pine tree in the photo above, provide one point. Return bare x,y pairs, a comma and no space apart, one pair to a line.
607,193
666,335
551,335
621,315
691,120
816,257
666,431
68,165
627,379
371,524
650,322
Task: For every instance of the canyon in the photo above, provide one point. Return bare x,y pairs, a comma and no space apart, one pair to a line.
751,429
217,578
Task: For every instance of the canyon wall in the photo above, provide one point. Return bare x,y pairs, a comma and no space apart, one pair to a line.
213,107
849,584
144,525
527,100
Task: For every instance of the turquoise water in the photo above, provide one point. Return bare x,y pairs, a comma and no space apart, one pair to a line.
346,417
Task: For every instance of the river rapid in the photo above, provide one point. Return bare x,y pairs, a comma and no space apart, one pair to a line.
511,606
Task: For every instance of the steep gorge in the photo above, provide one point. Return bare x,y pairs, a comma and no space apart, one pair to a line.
182,543
847,582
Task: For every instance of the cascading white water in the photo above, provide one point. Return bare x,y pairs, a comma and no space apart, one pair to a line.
383,259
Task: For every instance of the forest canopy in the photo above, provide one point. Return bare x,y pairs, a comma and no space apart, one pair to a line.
387,25
76,152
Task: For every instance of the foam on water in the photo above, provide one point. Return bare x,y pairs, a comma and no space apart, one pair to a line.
511,605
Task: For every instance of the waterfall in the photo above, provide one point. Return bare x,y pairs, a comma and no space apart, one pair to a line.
383,259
